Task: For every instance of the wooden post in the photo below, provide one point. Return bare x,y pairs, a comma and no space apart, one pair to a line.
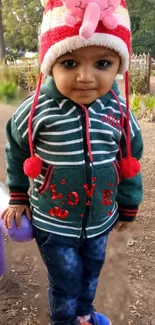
148,72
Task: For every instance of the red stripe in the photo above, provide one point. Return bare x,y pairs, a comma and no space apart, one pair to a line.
117,173
117,165
19,198
20,194
52,4
123,3
59,33
128,210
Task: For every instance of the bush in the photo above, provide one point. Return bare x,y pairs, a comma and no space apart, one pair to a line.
8,90
135,102
153,72
143,106
9,74
138,81
24,75
11,55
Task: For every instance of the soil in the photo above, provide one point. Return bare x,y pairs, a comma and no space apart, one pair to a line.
126,286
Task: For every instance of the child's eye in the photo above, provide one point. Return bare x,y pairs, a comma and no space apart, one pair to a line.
102,64
69,64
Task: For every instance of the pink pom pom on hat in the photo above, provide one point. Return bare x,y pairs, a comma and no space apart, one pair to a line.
57,38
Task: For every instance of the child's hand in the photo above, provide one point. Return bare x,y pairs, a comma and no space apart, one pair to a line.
123,225
15,211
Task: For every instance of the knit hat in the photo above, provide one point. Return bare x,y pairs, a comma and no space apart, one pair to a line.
69,25
57,38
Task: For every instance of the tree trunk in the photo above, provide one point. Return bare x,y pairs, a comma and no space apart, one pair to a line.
2,44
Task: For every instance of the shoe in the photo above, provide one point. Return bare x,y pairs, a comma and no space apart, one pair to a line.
99,319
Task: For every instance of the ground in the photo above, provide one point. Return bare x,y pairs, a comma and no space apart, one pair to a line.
126,286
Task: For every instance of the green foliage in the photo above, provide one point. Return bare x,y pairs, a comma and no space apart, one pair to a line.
149,102
135,102
8,57
27,76
21,20
9,74
24,75
143,106
2,44
143,25
8,90
153,73
138,81
11,56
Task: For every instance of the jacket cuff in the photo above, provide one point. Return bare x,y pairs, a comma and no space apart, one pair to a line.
19,196
127,213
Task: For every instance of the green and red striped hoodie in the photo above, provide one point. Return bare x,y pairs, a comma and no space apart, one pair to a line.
73,193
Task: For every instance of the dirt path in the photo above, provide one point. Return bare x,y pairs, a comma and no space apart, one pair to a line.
126,287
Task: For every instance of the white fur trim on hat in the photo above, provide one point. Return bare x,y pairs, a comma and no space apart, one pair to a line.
43,2
73,43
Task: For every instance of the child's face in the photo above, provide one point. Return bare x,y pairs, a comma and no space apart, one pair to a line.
86,74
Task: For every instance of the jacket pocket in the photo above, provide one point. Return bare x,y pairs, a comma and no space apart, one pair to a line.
62,194
107,180
45,186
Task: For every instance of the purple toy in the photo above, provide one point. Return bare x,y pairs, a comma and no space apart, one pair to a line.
2,255
25,233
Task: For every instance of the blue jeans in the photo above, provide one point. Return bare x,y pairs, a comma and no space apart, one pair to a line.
74,266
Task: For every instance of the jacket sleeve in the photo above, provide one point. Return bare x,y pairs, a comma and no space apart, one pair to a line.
17,150
130,191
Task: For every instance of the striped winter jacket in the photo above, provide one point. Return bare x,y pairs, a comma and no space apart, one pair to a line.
72,195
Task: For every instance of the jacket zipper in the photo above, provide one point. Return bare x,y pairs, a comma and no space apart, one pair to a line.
88,171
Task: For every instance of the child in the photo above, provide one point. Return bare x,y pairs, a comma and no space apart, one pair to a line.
84,144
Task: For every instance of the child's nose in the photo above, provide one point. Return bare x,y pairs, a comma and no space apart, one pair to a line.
85,75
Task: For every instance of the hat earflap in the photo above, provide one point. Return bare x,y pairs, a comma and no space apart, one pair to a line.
33,165
129,165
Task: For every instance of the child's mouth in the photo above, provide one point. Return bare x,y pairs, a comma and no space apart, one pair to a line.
85,90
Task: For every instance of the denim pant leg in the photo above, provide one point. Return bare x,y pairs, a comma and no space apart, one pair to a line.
64,267
92,254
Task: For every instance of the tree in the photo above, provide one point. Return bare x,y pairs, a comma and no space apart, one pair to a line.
2,44
143,40
21,19
143,25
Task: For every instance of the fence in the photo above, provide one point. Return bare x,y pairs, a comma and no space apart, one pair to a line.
27,67
142,62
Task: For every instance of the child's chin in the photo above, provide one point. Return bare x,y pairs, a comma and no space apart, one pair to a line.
84,100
